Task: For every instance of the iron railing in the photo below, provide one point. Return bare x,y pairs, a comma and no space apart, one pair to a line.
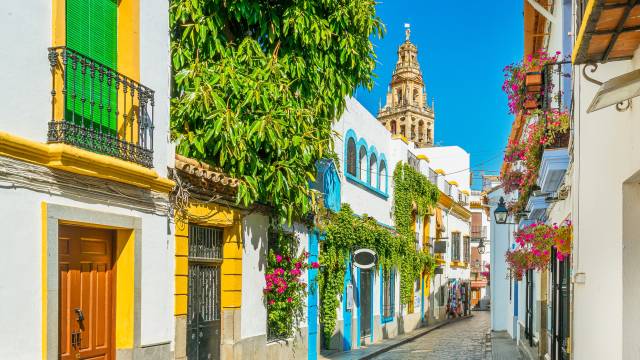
447,188
556,87
433,177
413,161
96,108
463,198
478,231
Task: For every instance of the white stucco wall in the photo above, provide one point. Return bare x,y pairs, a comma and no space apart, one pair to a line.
605,156
255,229
27,91
366,127
500,238
20,217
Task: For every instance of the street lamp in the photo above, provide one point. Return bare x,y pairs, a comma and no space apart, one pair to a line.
501,212
481,247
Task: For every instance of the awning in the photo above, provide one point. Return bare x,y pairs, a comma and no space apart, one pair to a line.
609,30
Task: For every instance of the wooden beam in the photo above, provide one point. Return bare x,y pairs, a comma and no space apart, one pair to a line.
544,12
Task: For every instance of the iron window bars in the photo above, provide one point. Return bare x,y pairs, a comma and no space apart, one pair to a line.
98,109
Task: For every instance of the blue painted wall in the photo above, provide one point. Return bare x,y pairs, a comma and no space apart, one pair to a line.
346,314
312,299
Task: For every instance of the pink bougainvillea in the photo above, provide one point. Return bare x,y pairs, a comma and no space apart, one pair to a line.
535,244
515,75
284,291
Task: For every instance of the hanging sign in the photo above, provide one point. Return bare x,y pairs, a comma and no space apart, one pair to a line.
364,258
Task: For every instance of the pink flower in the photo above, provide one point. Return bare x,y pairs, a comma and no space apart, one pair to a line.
315,265
281,289
295,272
279,258
271,302
279,271
289,299
298,265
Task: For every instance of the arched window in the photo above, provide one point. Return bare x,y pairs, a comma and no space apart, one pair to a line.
420,131
415,96
393,127
362,156
413,132
383,182
351,156
373,170
399,96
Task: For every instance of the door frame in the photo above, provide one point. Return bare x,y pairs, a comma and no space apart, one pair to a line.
127,272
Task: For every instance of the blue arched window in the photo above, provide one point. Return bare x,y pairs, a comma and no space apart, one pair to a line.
373,171
362,163
351,156
383,183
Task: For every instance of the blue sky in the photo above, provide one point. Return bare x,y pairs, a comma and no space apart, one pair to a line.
462,48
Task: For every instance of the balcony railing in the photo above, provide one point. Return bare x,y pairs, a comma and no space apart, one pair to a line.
478,231
447,188
433,177
98,109
463,198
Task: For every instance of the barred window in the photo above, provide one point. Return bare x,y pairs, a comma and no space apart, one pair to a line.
205,242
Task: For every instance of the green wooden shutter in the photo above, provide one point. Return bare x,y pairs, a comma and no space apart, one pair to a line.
91,30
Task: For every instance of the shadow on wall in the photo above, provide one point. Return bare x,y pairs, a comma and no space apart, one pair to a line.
257,231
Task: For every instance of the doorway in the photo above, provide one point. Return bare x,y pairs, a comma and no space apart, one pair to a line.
86,293
366,303
203,309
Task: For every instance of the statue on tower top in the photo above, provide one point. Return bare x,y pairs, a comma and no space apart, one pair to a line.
407,31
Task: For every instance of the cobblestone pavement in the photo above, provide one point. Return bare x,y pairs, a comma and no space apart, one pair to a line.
461,340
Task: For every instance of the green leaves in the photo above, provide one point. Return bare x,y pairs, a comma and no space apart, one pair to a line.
257,86
411,190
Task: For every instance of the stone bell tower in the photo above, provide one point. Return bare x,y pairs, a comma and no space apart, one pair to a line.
406,111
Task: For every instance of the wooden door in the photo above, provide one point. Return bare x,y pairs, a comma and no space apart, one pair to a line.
86,295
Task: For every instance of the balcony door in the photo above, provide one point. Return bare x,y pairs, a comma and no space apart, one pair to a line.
91,89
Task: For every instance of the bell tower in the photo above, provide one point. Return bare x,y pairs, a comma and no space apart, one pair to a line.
406,111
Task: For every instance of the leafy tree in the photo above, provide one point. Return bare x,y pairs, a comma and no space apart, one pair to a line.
258,83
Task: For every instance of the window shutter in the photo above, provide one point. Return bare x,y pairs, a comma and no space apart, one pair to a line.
91,31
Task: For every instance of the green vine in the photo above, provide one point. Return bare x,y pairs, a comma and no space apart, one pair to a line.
413,194
345,231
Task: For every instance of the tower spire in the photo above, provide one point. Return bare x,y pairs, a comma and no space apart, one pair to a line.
406,111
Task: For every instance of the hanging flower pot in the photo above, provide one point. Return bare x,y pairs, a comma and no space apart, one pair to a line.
531,103
533,80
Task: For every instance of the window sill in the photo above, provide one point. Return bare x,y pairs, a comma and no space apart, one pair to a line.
366,186
386,320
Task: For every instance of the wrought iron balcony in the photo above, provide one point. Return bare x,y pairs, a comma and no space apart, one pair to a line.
433,177
478,232
447,188
98,109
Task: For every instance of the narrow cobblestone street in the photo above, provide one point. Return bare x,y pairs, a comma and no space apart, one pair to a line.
462,340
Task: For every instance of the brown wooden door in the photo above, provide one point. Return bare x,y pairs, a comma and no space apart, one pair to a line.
86,300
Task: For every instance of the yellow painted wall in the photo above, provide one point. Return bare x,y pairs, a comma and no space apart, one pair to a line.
129,57
231,268
43,207
125,285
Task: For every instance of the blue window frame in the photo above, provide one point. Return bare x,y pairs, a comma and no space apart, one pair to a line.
387,295
365,166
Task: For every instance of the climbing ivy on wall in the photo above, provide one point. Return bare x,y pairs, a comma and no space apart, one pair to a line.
345,232
413,195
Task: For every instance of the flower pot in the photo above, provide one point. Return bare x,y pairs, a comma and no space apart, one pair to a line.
531,104
533,80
